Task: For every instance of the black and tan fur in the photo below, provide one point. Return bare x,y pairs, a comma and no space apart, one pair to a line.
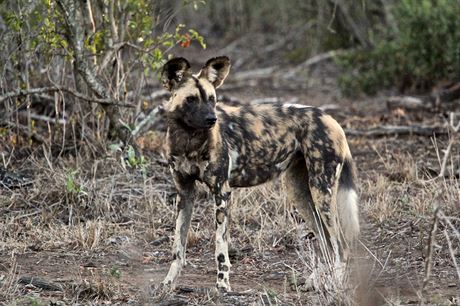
228,146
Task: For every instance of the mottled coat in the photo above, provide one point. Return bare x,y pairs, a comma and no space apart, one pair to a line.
236,145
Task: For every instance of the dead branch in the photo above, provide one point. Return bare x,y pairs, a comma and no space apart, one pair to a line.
437,98
312,61
36,91
391,130
25,130
39,283
44,118
448,93
147,122
408,102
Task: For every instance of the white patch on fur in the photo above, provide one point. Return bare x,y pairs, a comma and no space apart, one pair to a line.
338,170
347,204
296,144
284,164
295,105
233,155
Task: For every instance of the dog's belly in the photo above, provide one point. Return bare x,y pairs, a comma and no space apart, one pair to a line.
245,173
253,176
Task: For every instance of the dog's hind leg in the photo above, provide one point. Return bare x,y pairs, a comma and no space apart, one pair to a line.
296,183
326,152
184,202
323,182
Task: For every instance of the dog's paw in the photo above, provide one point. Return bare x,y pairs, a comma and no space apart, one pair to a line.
222,288
161,290
216,292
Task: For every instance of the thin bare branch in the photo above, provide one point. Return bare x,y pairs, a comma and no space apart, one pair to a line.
24,130
34,91
147,122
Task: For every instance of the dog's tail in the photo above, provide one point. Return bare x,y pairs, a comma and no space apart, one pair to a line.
347,202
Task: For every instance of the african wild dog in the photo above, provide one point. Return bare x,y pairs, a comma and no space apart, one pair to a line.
227,146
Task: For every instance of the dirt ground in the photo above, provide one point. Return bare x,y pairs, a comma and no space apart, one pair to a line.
120,245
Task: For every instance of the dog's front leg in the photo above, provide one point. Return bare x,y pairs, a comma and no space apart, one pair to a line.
184,201
222,197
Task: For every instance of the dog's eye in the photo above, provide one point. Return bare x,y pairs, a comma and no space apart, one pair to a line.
212,99
191,99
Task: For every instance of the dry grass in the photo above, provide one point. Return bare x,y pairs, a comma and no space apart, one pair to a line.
104,208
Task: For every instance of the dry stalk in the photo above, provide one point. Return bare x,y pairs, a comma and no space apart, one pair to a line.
429,249
452,253
454,128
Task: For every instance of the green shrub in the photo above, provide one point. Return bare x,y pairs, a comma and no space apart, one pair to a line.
422,49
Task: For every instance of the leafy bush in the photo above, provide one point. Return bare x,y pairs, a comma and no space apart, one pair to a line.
421,49
93,49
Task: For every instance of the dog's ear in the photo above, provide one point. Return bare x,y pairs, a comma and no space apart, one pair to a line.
174,71
216,70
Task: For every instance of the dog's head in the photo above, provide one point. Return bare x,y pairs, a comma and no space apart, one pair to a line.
193,97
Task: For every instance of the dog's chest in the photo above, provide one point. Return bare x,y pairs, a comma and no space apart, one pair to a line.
189,165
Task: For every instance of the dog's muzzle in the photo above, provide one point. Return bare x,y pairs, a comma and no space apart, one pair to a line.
210,120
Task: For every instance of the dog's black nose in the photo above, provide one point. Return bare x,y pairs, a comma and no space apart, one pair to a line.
211,120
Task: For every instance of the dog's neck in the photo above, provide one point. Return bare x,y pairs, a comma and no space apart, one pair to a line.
185,141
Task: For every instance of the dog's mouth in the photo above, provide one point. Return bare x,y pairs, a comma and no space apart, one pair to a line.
187,124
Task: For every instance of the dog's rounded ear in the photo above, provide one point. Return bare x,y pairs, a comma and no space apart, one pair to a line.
174,71
216,70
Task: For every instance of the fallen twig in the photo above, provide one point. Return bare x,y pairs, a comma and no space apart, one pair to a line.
39,283
390,130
